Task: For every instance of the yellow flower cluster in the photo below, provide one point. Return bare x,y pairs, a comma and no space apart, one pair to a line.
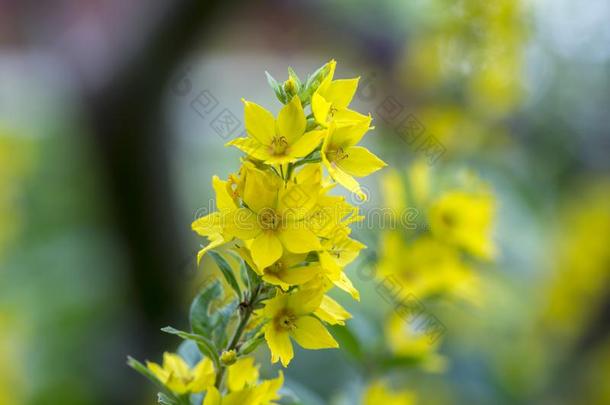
243,385
436,259
290,237
277,213
477,49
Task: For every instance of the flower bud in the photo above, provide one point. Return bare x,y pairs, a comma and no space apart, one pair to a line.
291,87
228,357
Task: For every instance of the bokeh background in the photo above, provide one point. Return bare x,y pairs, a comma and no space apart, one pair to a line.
109,136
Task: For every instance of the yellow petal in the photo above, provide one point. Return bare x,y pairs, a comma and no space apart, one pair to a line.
296,238
214,243
243,372
269,389
346,285
291,120
212,397
266,249
275,305
175,365
307,143
299,275
305,301
360,162
320,108
341,92
251,147
161,374
345,180
279,344
347,135
203,376
311,334
331,312
349,117
208,225
260,123
260,189
241,223
224,200
179,372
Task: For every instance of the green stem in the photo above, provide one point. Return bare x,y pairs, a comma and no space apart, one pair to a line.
245,314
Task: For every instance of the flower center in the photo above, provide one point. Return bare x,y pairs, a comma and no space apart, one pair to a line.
279,145
268,219
448,219
286,321
337,155
332,111
275,267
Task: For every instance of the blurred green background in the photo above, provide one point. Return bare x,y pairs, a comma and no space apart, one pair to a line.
114,116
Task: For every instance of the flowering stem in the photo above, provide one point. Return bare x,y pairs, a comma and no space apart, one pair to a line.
247,307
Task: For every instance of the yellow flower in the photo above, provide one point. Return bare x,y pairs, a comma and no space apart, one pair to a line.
242,373
264,393
427,267
379,393
211,225
409,338
290,315
344,160
277,141
331,312
465,220
331,99
289,270
338,253
269,221
177,376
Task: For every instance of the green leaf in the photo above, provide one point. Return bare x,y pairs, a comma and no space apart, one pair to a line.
250,345
313,82
166,400
227,272
201,320
292,74
347,340
224,315
142,369
387,362
277,88
208,318
205,345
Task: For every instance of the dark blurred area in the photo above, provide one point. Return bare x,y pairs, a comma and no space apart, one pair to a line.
108,141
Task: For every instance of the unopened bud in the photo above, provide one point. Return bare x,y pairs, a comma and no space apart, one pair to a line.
291,87
228,357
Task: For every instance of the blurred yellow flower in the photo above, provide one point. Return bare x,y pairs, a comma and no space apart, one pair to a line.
243,373
264,393
427,267
178,377
464,220
409,338
379,393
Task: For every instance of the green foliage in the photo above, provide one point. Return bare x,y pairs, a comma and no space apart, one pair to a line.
227,272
